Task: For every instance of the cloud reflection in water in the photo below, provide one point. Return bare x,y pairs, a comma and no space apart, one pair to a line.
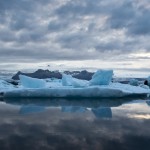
53,129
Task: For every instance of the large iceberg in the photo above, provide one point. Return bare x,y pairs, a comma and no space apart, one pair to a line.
99,86
112,90
29,82
102,77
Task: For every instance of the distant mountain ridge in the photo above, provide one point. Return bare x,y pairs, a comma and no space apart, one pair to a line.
43,74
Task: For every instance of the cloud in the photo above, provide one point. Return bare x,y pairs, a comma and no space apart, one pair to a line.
141,24
132,17
122,15
72,30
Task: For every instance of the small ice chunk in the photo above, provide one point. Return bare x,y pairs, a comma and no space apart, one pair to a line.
102,77
134,82
29,82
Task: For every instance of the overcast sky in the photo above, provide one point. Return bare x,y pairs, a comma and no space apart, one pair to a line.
76,33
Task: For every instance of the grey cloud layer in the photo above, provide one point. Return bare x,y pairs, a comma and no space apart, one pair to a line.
72,30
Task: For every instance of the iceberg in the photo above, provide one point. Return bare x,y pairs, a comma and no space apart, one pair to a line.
107,91
68,80
102,77
79,83
29,82
99,86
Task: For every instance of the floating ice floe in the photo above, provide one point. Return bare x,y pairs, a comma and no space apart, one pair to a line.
112,90
99,86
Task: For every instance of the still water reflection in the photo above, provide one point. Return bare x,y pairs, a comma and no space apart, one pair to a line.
95,124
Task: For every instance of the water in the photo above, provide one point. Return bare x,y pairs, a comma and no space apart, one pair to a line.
75,124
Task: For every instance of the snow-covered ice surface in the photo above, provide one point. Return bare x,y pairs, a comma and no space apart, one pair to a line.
112,90
129,88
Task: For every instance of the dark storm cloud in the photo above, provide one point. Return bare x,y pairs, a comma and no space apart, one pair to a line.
128,15
26,5
141,24
72,30
121,15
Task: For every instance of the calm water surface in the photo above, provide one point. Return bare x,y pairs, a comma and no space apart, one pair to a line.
74,124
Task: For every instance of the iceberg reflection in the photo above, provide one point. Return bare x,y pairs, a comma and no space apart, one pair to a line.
102,112
28,109
148,103
128,129
56,102
73,109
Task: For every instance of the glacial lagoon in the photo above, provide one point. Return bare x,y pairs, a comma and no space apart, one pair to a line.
95,124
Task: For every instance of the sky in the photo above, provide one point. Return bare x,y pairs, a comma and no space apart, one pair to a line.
75,34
